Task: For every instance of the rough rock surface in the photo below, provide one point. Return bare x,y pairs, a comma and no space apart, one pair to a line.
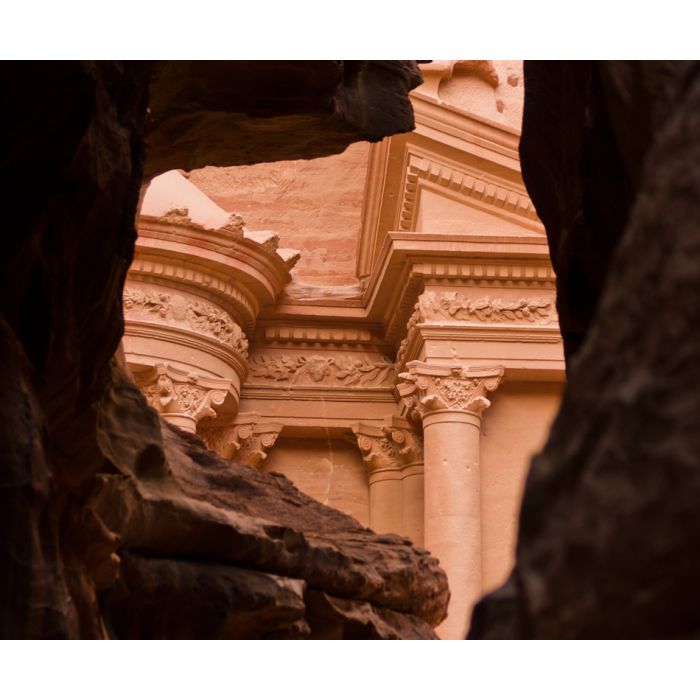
111,521
173,499
586,129
610,525
244,112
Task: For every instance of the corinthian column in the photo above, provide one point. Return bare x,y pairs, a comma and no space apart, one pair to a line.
394,457
380,454
450,400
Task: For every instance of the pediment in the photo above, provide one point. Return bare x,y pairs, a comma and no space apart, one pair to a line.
441,212
439,197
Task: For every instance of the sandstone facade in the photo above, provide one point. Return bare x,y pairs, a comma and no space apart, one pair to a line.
379,326
107,512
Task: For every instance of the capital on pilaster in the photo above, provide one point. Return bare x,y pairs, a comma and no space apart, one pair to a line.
431,387
390,447
246,440
185,398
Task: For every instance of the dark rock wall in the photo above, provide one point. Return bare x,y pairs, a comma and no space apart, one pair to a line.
110,521
587,127
71,167
610,524
243,112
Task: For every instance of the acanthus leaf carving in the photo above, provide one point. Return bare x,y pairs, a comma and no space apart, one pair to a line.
389,447
172,391
439,387
246,441
198,315
322,369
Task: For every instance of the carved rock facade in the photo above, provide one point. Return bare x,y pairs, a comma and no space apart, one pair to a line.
354,391
104,507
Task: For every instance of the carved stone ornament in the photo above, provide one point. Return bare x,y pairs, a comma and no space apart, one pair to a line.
172,391
449,387
177,309
320,369
392,446
246,441
456,306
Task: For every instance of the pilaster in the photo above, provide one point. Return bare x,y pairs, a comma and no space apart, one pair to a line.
393,453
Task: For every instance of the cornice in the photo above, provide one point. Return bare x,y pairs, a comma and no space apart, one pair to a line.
466,131
308,337
197,280
410,260
319,392
254,263
189,340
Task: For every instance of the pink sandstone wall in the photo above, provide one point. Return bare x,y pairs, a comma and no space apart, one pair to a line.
513,429
314,205
331,471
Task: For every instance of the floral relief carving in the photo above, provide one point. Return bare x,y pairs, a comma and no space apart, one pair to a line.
320,369
198,315
455,305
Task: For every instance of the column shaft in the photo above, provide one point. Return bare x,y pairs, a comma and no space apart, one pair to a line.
453,510
413,503
385,501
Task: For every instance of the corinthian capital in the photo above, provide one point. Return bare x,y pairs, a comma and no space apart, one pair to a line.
183,397
389,447
245,441
434,387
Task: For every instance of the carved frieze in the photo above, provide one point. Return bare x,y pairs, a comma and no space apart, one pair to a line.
322,369
459,307
449,387
389,447
455,306
177,309
171,391
246,441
